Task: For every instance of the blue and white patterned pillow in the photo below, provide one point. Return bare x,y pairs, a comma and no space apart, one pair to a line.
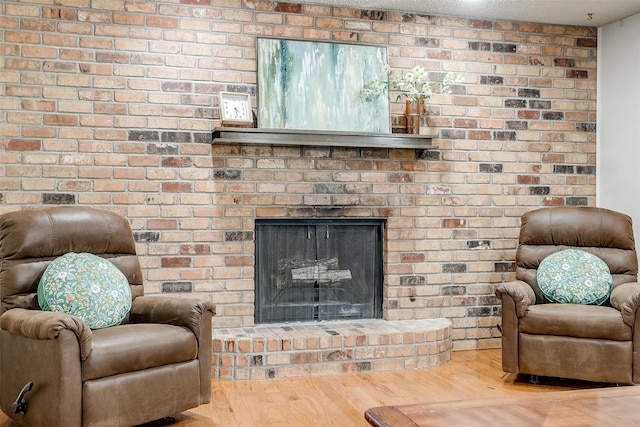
86,286
575,277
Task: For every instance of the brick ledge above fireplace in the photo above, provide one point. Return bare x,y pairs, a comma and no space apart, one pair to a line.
323,348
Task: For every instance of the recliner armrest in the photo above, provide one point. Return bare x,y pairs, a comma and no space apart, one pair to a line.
520,292
626,298
45,325
174,311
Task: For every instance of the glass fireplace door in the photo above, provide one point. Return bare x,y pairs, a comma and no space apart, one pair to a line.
318,270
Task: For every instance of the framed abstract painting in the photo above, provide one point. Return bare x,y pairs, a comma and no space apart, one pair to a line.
311,85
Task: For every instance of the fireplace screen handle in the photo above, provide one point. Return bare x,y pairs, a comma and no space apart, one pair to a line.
326,233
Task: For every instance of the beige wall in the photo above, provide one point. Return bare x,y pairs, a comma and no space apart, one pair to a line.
618,114
111,104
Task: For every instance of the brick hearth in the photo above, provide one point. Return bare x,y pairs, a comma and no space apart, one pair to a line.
305,349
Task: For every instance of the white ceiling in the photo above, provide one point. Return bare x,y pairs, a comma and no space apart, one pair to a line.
594,13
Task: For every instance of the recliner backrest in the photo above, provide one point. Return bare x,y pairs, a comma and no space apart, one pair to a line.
31,239
602,232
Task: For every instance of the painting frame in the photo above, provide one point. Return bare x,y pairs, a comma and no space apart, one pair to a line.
318,86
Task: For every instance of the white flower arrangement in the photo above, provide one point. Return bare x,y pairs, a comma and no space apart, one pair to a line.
413,84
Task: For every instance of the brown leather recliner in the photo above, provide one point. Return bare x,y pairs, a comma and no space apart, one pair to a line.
155,364
586,342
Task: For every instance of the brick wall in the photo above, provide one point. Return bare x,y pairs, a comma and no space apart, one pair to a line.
110,103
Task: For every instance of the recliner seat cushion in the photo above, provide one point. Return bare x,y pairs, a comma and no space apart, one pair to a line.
134,347
575,320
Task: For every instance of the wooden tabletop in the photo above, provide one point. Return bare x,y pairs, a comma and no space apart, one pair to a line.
611,406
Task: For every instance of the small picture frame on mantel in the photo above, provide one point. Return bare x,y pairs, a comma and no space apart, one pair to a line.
235,108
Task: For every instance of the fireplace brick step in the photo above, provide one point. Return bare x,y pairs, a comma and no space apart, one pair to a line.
286,350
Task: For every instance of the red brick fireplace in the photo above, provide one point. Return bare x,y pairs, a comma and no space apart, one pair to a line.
295,178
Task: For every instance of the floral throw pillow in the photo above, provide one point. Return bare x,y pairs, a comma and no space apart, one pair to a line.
575,277
86,286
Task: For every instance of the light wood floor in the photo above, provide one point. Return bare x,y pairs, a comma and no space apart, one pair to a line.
341,400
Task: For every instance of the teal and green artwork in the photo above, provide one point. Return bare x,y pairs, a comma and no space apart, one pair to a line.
319,86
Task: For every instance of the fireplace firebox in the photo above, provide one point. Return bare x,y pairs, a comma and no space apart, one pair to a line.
318,269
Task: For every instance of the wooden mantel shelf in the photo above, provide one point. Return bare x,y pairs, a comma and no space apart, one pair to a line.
229,135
